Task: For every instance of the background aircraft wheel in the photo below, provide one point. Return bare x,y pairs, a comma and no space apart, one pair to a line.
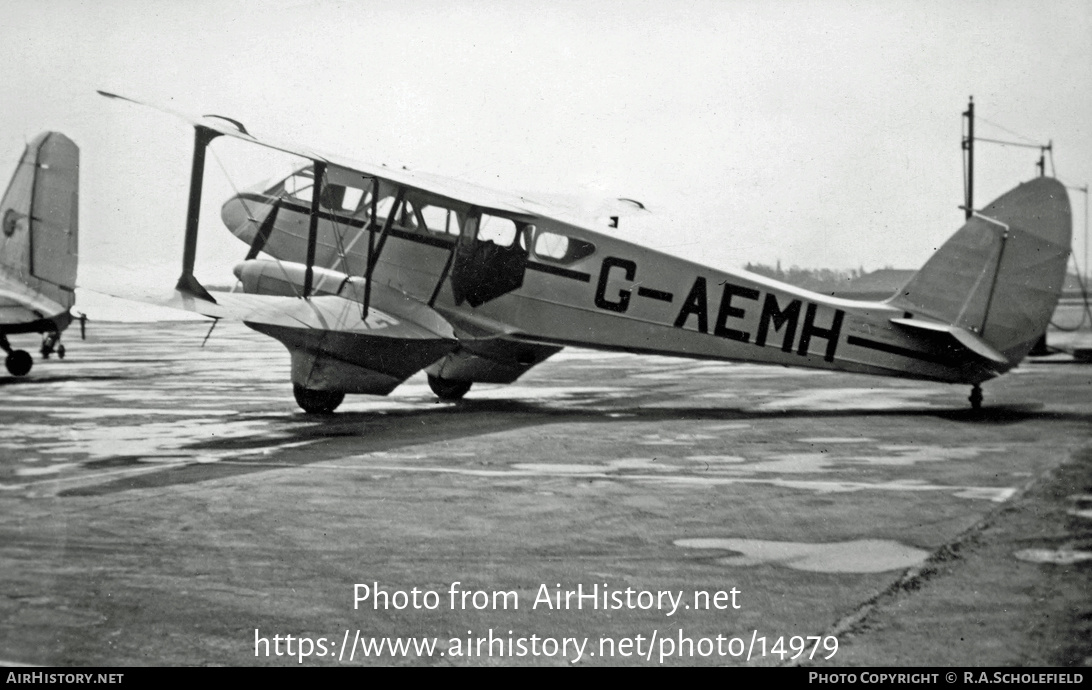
60,351
19,362
448,390
976,398
317,402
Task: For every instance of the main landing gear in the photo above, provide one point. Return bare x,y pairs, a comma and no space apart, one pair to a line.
448,390
976,397
18,362
317,402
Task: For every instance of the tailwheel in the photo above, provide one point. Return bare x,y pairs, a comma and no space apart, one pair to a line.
448,390
19,362
317,402
976,397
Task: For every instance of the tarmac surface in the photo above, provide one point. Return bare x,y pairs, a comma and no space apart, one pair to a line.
164,503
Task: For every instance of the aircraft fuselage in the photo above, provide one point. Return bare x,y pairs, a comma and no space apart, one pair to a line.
580,287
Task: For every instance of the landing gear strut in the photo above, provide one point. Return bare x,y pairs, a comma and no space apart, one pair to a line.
448,390
52,343
976,397
317,402
18,362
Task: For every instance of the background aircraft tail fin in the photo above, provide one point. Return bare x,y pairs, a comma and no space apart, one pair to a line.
39,217
1000,275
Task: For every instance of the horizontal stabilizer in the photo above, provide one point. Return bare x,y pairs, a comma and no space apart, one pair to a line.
955,338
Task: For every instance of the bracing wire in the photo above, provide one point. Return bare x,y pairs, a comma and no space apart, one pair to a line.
1005,129
231,182
251,216
1086,312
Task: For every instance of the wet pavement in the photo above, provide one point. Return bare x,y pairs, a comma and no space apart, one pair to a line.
167,503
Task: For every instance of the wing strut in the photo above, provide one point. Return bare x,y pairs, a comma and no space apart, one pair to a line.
264,231
395,209
374,251
187,282
371,249
312,233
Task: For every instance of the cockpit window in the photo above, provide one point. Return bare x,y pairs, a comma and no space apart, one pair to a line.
338,197
300,187
440,220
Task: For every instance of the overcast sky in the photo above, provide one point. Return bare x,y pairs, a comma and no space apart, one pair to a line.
821,134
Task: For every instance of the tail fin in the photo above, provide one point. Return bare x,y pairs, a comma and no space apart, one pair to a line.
1000,275
39,217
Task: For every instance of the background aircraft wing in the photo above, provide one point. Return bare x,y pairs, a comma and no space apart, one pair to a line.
19,304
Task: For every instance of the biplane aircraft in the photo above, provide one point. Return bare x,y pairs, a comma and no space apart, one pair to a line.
379,273
38,247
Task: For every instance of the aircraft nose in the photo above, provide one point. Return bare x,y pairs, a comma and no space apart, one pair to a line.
237,218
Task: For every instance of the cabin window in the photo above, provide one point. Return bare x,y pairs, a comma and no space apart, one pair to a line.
350,201
499,231
561,249
383,207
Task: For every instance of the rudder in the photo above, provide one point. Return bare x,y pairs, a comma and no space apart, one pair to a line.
39,217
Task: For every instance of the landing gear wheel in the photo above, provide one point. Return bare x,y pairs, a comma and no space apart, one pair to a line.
976,398
19,362
448,390
317,402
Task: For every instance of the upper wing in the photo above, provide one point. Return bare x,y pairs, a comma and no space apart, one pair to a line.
574,205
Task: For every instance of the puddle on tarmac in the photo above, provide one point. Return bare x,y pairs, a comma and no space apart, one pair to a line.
837,439
611,466
675,440
558,468
730,426
860,556
996,494
852,399
1086,513
710,459
39,471
1056,556
528,393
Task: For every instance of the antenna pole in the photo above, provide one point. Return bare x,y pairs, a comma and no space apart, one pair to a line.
1042,158
968,146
